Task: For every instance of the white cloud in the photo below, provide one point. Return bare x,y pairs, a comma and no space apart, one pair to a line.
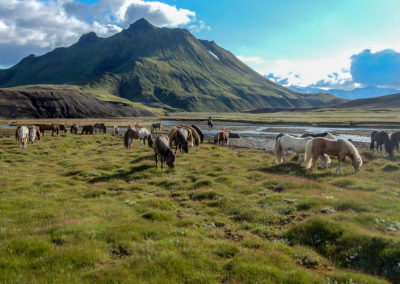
198,27
251,59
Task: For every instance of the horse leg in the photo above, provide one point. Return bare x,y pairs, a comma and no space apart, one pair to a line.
162,162
338,169
156,159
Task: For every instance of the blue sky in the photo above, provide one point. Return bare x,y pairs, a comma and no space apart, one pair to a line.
300,42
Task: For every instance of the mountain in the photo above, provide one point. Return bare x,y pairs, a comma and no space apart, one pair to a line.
61,102
388,101
357,93
160,67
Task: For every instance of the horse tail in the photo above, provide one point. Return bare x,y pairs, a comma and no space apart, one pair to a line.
309,153
126,139
278,152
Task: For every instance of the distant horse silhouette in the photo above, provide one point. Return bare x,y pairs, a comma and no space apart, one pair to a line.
395,140
155,126
163,151
99,126
22,135
63,128
115,131
130,134
222,137
381,138
74,129
52,127
87,129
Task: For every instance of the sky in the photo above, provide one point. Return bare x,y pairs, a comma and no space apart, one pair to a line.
328,44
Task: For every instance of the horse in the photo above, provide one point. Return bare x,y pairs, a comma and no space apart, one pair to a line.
340,148
163,150
155,126
74,129
199,132
193,137
87,129
63,128
395,140
144,135
115,131
53,127
283,134
327,135
381,138
287,143
37,130
100,126
32,134
210,123
222,137
21,135
181,140
130,134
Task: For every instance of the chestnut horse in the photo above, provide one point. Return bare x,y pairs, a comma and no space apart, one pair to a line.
53,127
130,134
163,151
222,137
381,138
63,128
340,148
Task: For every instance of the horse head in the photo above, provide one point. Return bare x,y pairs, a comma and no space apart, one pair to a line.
170,159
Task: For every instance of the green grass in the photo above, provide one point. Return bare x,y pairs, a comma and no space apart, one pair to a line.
83,209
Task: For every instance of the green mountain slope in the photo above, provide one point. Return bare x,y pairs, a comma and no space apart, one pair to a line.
160,67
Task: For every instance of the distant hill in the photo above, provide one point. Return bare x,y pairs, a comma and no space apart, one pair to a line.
159,67
357,93
389,101
61,102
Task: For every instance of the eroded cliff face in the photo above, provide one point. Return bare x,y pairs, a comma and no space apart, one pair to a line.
47,103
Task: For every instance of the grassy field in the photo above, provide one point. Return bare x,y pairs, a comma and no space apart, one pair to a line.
83,208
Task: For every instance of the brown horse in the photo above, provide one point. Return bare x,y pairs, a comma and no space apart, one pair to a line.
53,127
63,128
340,148
194,138
395,140
181,136
222,137
87,129
130,134
163,151
74,129
381,138
155,126
100,126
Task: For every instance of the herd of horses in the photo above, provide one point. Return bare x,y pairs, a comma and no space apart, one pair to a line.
309,147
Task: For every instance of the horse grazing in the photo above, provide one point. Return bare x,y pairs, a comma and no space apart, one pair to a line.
181,140
155,126
395,140
63,128
222,137
381,138
32,134
37,130
22,134
115,131
100,126
193,137
130,134
340,148
74,129
87,129
53,127
287,143
199,132
326,135
144,135
163,151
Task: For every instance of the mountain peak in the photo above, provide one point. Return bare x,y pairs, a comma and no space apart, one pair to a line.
88,38
141,25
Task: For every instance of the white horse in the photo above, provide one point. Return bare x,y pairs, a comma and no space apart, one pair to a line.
295,144
32,134
21,135
143,135
115,131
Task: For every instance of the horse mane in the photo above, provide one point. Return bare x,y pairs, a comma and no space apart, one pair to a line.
353,150
201,134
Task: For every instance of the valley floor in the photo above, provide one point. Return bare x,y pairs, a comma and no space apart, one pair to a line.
83,208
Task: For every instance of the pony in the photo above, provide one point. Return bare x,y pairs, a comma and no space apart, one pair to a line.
62,128
87,129
53,127
21,135
115,131
327,135
100,126
209,122
163,151
130,134
181,140
74,129
222,137
155,126
32,134
381,138
395,140
283,134
144,135
340,148
194,137
199,132
287,143
37,130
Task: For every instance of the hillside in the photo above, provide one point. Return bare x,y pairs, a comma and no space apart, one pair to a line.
160,67
389,101
61,102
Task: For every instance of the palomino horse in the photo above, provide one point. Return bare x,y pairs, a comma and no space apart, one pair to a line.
53,127
130,134
395,140
115,131
87,129
74,129
144,135
163,151
340,148
222,137
22,134
326,135
381,138
181,140
155,126
32,134
100,126
287,143
63,128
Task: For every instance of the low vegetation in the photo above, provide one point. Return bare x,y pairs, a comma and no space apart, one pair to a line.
83,208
